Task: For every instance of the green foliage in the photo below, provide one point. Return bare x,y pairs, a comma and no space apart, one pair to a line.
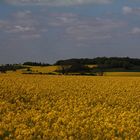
74,68
35,64
112,62
10,67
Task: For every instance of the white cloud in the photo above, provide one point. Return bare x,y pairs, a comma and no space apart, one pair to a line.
95,29
135,30
23,25
127,10
62,19
19,28
74,27
58,2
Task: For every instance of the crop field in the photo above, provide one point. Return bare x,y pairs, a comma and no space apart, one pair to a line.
45,69
40,107
126,74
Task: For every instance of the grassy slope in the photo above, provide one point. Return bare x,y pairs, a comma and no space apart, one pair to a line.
122,74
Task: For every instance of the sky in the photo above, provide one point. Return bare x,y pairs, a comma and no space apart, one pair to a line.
50,30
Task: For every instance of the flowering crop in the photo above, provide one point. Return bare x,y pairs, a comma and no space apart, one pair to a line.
36,107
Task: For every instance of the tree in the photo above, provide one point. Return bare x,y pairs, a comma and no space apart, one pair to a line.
2,69
78,67
127,65
63,69
29,69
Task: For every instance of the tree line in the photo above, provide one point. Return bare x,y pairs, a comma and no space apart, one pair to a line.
14,67
81,64
35,64
103,64
110,62
10,67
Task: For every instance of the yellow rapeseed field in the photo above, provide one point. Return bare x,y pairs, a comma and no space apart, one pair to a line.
38,107
44,69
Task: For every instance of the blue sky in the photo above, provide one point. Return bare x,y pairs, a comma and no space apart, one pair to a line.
46,30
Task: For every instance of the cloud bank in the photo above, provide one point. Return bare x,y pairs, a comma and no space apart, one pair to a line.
57,2
127,10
